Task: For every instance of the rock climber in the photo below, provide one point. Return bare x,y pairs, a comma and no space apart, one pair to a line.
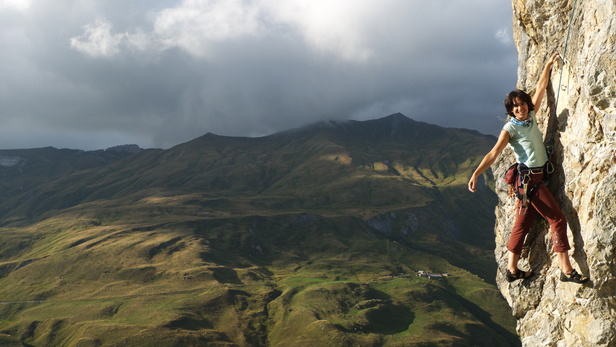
524,137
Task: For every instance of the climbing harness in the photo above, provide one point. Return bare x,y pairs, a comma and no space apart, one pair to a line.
518,177
524,191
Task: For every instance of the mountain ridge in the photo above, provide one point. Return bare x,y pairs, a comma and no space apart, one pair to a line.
210,152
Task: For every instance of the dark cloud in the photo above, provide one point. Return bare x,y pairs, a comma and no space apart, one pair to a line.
94,74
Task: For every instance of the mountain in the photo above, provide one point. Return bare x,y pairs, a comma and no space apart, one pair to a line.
582,123
311,236
25,171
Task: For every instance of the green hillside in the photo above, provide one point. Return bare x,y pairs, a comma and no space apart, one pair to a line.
310,237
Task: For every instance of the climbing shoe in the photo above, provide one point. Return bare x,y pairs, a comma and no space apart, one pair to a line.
573,276
518,275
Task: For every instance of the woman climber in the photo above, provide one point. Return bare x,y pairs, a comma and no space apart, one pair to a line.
524,137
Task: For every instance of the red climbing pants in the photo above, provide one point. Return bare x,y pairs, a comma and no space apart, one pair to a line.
543,203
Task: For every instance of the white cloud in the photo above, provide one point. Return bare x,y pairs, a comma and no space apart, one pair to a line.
195,24
97,40
339,29
332,27
504,36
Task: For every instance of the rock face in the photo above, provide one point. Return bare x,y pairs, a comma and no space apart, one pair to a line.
583,128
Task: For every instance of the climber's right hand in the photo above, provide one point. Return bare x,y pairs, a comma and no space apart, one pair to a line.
472,184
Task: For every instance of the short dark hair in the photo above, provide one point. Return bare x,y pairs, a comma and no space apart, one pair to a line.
510,101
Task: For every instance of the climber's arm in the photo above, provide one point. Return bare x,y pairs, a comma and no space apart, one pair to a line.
542,85
489,159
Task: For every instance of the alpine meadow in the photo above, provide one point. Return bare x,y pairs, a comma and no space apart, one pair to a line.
309,237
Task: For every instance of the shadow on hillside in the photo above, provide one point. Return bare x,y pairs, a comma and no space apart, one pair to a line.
225,275
488,334
385,318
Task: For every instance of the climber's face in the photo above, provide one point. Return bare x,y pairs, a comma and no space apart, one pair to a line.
520,109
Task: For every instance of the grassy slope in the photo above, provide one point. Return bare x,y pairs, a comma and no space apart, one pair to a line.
195,279
204,244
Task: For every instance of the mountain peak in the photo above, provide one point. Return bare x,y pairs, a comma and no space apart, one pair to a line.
398,116
395,120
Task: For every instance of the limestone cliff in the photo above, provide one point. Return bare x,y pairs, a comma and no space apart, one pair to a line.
583,126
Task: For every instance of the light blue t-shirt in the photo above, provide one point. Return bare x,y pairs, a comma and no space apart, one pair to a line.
527,143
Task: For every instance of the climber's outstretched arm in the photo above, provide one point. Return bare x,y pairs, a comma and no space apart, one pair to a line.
542,85
489,159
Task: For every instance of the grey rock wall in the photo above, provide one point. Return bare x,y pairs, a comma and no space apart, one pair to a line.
583,127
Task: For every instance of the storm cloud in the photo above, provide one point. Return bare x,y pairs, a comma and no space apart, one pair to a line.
96,73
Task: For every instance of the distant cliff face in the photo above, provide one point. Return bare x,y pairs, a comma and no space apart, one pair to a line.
549,312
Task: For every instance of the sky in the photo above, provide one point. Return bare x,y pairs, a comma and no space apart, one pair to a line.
92,74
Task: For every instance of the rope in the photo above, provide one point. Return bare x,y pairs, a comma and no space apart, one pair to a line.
564,54
550,134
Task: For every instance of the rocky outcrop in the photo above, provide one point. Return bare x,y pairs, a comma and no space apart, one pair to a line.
582,104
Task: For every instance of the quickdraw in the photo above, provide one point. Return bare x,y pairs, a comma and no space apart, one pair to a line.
549,167
524,193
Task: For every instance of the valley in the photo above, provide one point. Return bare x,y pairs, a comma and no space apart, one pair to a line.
293,239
